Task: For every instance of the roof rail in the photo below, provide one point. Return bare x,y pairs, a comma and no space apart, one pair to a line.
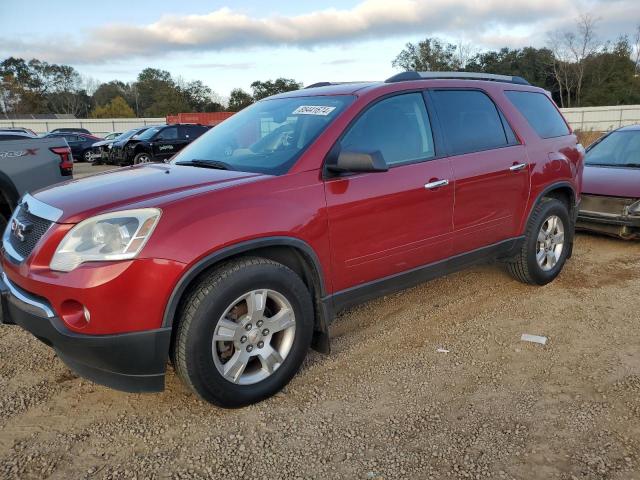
406,76
326,84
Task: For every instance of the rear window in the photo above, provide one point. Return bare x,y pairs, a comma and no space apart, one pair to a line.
471,121
540,112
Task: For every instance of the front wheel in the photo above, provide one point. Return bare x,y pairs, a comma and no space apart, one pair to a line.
142,157
86,156
243,332
546,245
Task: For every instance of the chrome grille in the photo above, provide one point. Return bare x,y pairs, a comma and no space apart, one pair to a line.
32,229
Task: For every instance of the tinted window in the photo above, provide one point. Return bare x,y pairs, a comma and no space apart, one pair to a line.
541,114
398,127
470,121
170,133
13,137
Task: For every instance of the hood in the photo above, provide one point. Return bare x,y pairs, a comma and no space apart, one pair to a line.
611,181
134,187
102,143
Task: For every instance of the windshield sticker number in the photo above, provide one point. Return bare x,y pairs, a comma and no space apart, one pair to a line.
313,110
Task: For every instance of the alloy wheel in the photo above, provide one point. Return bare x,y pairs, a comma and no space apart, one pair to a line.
550,243
253,337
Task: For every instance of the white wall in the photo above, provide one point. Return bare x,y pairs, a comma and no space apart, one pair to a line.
97,126
602,119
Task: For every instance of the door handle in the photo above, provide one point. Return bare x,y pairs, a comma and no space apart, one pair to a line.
517,167
436,184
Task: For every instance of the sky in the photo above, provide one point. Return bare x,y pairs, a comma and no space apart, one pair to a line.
230,44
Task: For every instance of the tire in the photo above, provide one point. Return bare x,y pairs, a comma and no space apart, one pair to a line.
86,156
198,359
142,157
3,223
525,266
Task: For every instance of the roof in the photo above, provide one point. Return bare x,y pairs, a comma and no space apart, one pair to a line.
351,88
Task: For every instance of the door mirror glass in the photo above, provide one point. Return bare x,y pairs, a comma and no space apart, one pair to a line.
353,162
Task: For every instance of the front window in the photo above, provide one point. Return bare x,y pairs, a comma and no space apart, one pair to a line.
618,149
267,137
147,134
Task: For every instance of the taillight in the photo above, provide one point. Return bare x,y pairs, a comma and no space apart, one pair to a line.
66,160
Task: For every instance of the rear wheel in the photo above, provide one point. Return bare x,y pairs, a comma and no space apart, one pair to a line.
244,332
546,246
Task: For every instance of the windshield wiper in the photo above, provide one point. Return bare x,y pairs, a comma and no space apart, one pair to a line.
218,165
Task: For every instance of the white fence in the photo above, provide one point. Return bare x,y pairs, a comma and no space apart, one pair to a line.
599,119
602,119
97,126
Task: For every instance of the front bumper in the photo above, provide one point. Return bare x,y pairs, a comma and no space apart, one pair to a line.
131,362
608,215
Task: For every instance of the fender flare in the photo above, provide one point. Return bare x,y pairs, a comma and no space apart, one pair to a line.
546,190
239,248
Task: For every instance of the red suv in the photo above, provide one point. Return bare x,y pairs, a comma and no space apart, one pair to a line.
233,259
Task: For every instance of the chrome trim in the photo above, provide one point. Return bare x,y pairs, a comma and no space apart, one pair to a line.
41,209
25,302
6,242
436,184
518,167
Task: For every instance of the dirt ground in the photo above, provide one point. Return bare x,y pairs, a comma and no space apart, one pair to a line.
385,403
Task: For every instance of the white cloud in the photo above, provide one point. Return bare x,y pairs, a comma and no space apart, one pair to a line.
226,29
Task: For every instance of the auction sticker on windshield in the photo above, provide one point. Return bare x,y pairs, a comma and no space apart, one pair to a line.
313,110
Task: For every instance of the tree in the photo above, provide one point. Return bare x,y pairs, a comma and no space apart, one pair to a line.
200,97
571,49
238,100
431,55
108,91
280,85
116,108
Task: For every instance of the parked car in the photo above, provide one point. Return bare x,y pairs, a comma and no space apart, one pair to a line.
100,150
116,153
70,130
15,136
28,131
160,143
234,257
28,164
79,143
611,188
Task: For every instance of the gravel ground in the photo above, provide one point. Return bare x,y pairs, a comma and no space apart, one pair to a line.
385,403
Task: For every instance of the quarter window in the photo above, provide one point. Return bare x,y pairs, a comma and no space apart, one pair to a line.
398,127
470,121
541,114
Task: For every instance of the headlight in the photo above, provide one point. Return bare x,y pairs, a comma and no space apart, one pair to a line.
112,236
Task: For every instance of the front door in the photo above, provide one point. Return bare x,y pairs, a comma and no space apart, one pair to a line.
385,223
166,143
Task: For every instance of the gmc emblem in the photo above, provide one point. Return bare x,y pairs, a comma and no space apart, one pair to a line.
19,229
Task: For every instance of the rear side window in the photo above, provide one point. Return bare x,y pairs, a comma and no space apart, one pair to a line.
470,121
541,114
398,127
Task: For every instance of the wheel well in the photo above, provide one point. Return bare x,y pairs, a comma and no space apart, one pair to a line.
564,194
294,258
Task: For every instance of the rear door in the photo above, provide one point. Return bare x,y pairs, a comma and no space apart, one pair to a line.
490,168
384,223
75,144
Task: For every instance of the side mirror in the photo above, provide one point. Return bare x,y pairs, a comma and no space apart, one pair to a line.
355,162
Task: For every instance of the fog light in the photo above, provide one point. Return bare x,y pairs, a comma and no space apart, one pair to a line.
74,314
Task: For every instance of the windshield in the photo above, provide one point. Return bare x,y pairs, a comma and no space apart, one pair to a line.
147,134
267,137
619,149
